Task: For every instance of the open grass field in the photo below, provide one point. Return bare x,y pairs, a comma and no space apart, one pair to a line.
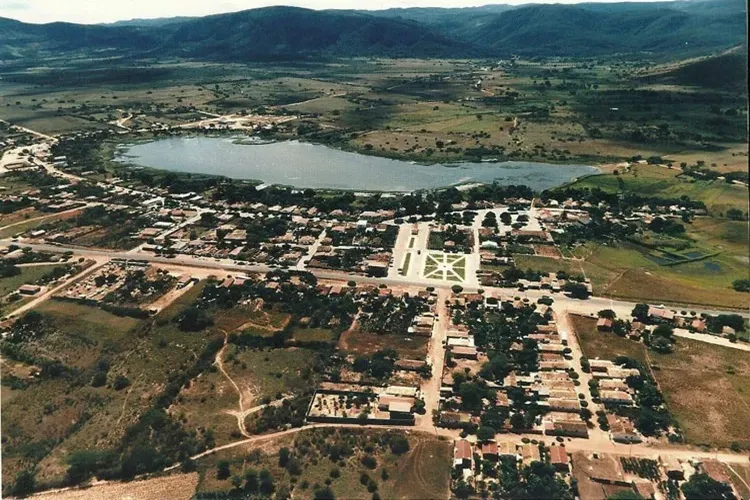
313,335
204,405
707,387
362,343
29,274
627,270
595,344
422,472
250,318
264,374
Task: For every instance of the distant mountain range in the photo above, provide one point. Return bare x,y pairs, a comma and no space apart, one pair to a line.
274,33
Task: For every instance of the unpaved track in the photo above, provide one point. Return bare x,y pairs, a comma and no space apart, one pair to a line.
219,362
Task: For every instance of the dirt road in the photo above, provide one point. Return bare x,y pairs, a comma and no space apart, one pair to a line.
436,353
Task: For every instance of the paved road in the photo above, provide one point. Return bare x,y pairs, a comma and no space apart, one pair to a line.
562,302
712,339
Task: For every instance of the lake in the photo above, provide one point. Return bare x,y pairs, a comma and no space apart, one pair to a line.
299,164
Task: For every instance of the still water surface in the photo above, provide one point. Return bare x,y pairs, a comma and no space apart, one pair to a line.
300,164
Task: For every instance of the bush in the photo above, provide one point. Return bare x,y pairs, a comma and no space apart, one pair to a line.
399,445
24,484
607,313
99,379
194,319
266,482
661,345
325,493
283,457
222,470
369,461
741,285
121,382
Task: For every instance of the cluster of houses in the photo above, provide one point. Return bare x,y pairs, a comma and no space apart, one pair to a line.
469,457
230,234
684,323
609,474
552,388
175,223
345,403
98,285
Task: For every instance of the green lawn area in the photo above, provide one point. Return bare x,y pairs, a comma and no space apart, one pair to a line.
460,271
405,268
30,275
430,267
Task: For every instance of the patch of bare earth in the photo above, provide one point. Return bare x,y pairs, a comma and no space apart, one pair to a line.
175,487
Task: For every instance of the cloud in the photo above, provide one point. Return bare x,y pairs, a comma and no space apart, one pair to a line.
13,6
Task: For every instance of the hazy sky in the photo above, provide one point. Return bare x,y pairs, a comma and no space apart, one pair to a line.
98,11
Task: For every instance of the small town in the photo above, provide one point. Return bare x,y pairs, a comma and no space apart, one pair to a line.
398,251
433,324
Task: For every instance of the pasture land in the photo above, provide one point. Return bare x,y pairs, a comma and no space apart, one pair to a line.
424,110
707,389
